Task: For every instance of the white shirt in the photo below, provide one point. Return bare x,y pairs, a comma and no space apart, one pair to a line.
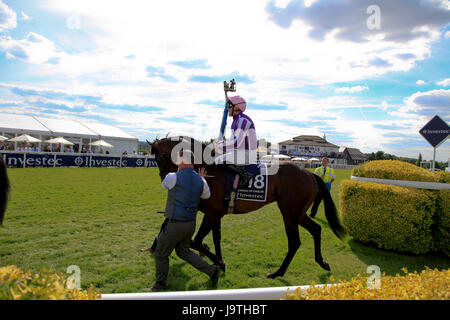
171,180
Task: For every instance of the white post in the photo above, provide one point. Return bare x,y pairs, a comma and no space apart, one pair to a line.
434,159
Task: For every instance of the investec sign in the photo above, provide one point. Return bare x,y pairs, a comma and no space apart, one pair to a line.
436,131
21,160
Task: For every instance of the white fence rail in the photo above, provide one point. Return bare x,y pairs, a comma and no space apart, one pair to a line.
275,293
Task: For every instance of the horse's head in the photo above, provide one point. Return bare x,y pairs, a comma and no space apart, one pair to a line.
162,150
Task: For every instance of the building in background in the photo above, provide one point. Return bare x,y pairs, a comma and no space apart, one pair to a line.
81,134
353,156
309,146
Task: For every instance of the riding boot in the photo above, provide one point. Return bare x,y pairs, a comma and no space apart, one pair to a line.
245,175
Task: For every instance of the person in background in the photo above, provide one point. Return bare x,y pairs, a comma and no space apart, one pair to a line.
328,176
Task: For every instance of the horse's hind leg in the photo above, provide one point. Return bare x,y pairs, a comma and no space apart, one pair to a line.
293,236
315,230
316,204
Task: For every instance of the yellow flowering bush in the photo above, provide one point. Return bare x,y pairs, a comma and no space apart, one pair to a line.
395,170
392,217
427,285
16,284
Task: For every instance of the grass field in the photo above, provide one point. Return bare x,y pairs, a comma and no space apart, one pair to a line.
99,218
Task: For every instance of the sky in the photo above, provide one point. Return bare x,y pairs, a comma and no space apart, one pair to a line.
367,74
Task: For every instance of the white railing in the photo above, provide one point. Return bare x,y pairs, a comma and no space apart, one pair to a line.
275,293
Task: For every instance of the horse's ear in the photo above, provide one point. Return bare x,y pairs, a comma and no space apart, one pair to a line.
151,145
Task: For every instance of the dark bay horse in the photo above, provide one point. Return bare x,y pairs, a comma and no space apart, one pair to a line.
294,189
4,189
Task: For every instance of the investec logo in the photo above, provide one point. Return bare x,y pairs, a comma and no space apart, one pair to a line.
93,162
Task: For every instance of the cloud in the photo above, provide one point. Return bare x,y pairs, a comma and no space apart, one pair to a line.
447,34
401,20
24,16
8,17
157,72
34,48
378,62
51,106
420,82
406,56
434,98
192,64
214,79
351,89
428,103
444,83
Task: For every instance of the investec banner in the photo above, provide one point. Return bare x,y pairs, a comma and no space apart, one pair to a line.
22,160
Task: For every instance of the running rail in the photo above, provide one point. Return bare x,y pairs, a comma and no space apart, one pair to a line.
275,293
406,183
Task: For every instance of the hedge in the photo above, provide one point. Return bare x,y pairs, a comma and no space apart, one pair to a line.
397,218
395,170
428,285
16,284
392,217
441,229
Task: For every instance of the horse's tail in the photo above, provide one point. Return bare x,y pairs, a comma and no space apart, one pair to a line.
330,209
4,189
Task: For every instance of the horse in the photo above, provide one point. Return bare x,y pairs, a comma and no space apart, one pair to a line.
293,188
4,189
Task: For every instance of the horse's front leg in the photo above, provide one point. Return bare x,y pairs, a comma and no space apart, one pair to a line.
217,235
197,243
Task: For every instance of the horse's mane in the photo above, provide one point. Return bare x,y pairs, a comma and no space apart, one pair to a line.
177,139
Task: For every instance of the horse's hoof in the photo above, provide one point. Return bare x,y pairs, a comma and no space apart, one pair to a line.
222,265
325,265
273,275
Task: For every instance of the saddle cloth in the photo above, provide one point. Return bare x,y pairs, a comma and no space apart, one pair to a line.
255,189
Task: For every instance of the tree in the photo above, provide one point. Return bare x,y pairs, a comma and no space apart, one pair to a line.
419,160
379,155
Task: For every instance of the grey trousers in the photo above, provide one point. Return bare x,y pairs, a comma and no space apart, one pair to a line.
178,235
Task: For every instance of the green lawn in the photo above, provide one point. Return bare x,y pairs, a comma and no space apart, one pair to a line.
98,219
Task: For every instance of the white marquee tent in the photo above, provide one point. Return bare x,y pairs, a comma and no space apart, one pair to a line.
80,133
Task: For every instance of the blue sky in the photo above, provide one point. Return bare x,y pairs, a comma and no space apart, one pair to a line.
304,67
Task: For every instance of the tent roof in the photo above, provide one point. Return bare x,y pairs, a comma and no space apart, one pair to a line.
105,130
17,123
38,125
65,126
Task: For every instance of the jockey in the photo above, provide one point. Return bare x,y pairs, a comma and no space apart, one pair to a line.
240,148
